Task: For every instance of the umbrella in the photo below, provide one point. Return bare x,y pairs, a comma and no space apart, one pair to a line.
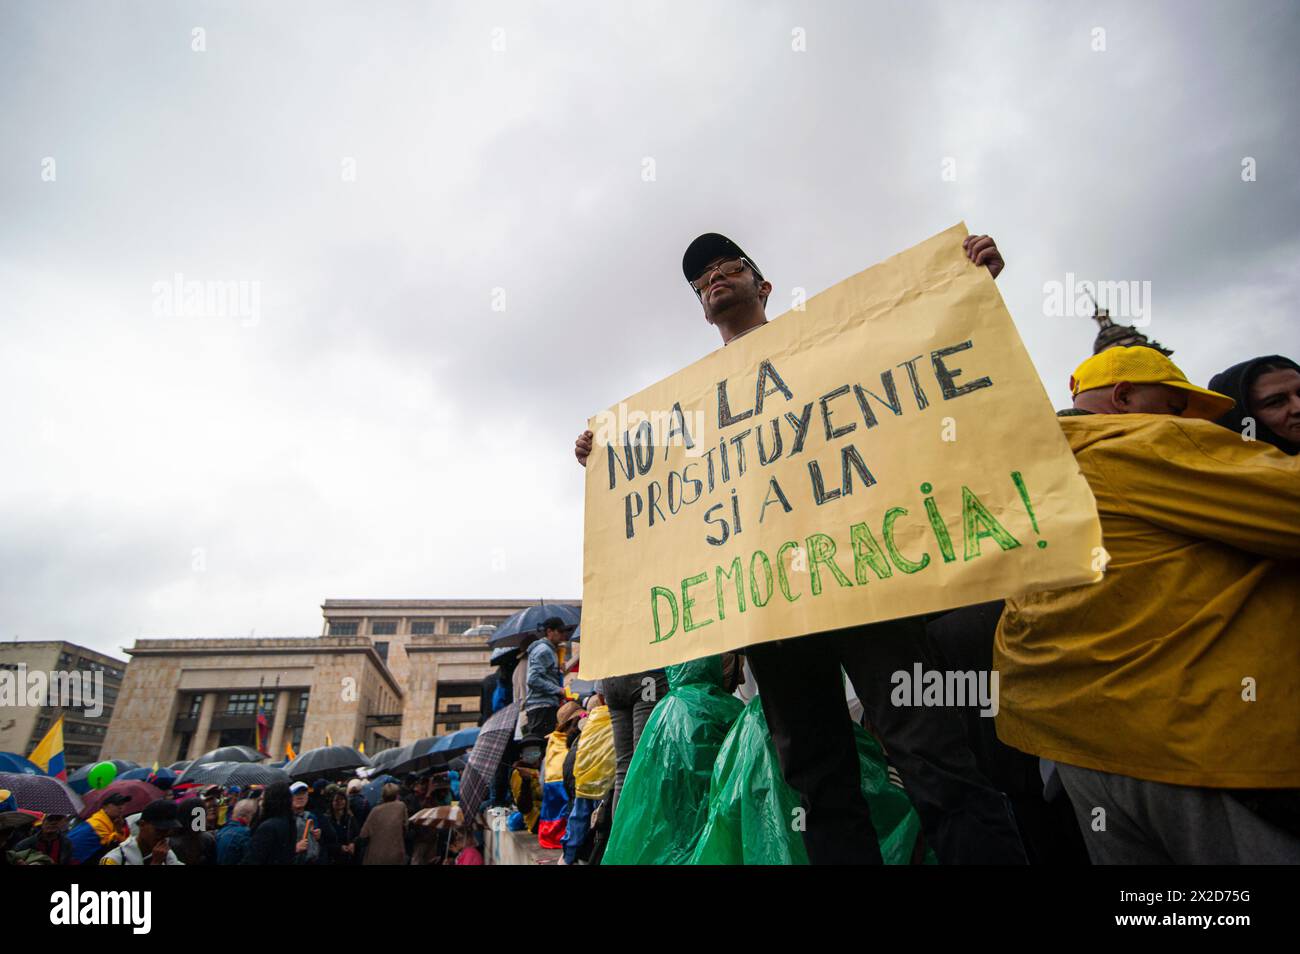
13,762
440,816
163,775
529,621
139,794
455,742
233,773
179,767
230,753
79,781
485,758
374,789
336,760
42,793
409,758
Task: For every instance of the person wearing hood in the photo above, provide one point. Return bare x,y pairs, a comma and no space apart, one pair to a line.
1166,692
1267,392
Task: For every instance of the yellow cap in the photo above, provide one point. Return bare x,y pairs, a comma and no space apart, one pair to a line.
1139,365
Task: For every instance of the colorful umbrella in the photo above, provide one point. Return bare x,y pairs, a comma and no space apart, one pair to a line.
42,793
138,793
79,781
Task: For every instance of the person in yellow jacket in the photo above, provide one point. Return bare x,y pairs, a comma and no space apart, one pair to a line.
108,822
594,767
1168,693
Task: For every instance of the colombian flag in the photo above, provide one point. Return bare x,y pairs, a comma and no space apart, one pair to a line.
49,754
263,726
555,800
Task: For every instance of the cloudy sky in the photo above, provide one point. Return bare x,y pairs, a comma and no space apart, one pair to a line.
463,223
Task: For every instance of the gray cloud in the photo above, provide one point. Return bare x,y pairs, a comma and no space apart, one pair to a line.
381,430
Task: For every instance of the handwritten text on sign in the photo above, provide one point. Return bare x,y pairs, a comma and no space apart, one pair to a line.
822,453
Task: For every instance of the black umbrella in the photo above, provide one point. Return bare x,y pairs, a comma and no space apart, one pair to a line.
233,773
230,753
528,622
336,760
408,758
180,766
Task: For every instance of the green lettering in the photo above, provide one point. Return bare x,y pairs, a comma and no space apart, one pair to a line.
900,561
688,623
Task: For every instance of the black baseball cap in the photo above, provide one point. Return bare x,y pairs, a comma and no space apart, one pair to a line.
709,247
162,814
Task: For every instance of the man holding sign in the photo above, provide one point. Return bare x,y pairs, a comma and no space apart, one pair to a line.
800,517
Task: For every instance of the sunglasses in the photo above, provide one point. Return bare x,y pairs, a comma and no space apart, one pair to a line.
733,266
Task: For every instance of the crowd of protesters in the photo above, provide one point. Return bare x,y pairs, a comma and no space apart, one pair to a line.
1150,717
284,823
1157,708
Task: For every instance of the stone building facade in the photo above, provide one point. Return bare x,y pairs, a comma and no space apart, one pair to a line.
22,726
383,673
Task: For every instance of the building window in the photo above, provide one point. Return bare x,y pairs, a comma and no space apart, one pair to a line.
241,703
65,660
382,649
344,627
384,627
196,703
459,626
303,699
297,737
424,627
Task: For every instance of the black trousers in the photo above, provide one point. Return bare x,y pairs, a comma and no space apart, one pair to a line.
541,721
965,820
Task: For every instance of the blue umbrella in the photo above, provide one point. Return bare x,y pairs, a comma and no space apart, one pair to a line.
165,776
13,762
455,741
79,781
528,622
373,789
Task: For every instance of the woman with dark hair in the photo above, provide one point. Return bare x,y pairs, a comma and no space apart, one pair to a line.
274,840
342,847
1267,390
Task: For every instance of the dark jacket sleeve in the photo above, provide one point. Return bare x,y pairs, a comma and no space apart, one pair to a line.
262,845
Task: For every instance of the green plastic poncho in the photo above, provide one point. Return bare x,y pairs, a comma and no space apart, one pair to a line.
664,802
751,808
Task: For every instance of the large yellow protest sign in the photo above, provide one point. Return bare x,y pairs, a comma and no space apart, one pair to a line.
886,452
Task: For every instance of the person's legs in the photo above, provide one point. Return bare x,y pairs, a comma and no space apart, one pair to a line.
1128,820
649,689
620,720
576,831
965,820
540,721
802,694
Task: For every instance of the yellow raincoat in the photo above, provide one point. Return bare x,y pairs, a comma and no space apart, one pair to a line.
1183,664
593,766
